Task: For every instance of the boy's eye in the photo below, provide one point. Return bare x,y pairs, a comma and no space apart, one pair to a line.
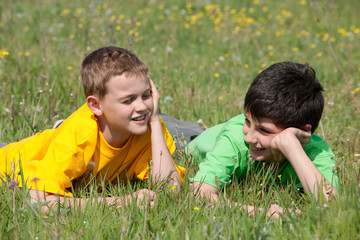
128,101
265,131
147,95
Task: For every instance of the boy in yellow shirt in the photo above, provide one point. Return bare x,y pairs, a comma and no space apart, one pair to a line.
113,137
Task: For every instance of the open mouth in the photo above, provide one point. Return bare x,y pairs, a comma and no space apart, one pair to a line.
255,149
140,118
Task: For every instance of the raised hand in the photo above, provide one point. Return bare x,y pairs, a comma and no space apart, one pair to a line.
287,139
156,97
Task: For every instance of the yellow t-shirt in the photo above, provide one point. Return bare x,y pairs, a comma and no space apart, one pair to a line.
76,152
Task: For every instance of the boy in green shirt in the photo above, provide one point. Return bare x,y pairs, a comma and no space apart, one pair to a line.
282,109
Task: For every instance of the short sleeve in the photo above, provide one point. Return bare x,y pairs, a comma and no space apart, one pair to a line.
223,152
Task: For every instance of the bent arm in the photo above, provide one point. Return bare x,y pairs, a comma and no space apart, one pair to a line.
309,175
163,166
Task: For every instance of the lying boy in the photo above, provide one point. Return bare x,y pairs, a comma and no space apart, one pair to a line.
283,107
111,138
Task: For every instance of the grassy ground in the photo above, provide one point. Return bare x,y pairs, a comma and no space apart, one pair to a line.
202,57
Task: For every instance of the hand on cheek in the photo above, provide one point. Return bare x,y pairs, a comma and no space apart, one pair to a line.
287,139
155,97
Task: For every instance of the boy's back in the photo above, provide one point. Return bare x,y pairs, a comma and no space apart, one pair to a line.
217,147
114,136
52,159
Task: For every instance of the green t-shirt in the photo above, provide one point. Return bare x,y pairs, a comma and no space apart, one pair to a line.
217,148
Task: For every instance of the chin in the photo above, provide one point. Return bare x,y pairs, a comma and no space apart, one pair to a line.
140,131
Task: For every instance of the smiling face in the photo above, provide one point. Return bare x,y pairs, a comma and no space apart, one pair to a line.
259,134
125,108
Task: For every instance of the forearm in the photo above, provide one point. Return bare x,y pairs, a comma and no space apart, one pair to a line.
310,177
163,167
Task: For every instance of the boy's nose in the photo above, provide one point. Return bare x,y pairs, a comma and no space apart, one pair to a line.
140,105
250,138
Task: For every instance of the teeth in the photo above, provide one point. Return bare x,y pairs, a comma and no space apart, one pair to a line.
139,118
256,149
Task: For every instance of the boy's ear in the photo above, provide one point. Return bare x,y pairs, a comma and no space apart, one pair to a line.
93,103
307,128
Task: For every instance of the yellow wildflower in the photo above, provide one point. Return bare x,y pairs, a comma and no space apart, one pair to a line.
279,176
196,208
69,68
65,11
217,75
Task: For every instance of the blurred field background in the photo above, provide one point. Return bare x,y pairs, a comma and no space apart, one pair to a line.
202,56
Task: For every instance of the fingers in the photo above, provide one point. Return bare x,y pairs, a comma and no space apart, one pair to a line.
275,212
156,97
154,91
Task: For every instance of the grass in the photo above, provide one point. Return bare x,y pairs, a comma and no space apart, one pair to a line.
202,57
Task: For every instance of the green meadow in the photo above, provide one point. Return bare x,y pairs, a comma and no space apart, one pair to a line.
202,56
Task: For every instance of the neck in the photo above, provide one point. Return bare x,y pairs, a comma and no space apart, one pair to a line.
114,138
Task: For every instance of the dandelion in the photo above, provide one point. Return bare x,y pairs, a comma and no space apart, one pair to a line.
220,98
69,68
71,36
26,54
196,208
186,25
217,75
66,11
169,49
246,66
3,53
118,28
302,2
319,54
210,42
173,187
271,54
355,90
312,46
295,49
264,9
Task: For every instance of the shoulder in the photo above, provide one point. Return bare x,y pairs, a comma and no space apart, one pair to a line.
80,126
318,147
231,130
